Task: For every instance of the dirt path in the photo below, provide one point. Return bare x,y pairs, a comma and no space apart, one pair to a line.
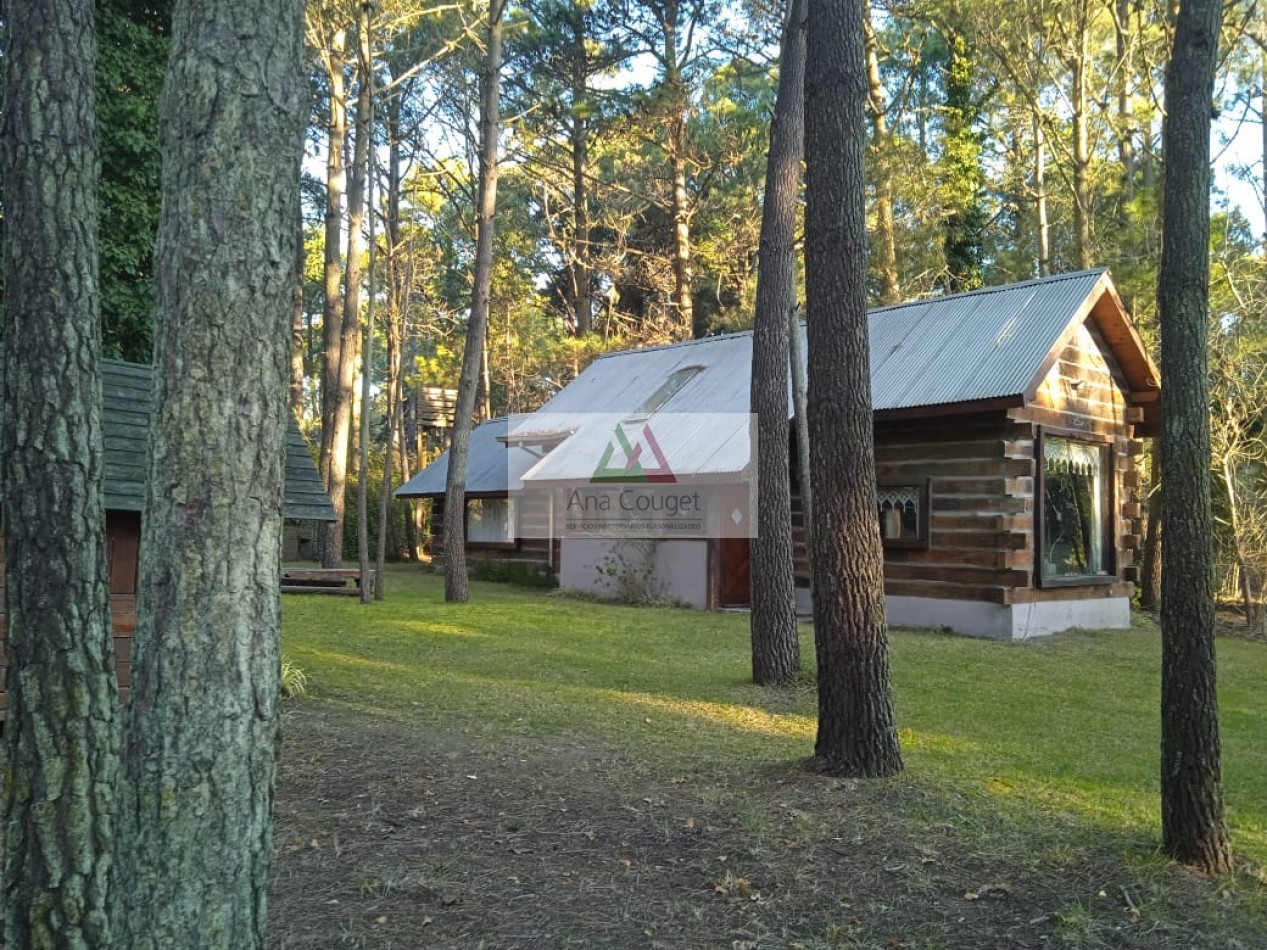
390,835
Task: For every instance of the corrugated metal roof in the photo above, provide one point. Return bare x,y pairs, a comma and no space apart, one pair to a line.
125,417
492,466
978,345
957,348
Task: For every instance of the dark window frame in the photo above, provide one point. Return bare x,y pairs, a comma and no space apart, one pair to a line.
1108,516
923,485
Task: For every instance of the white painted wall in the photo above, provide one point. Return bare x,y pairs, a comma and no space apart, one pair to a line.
680,571
1009,621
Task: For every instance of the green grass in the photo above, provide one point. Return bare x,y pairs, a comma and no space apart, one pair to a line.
1063,728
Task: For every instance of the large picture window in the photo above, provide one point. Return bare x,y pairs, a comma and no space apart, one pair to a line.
490,521
1075,507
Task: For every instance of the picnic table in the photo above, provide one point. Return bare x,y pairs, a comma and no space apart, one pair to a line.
322,580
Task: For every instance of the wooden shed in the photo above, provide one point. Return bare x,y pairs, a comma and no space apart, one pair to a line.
1008,424
125,420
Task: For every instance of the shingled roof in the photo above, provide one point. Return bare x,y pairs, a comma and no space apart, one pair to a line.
125,395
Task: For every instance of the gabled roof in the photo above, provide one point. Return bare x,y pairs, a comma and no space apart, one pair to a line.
492,467
949,354
125,417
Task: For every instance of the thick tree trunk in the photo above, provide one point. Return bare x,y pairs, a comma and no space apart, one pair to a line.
336,393
776,650
455,579
200,749
363,202
885,229
1193,827
856,730
62,728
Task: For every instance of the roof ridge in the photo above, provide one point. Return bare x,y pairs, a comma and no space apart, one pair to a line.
918,302
982,291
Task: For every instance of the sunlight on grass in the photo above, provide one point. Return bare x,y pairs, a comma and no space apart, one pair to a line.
747,718
1066,726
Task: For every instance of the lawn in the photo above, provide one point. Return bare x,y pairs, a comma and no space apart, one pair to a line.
1031,773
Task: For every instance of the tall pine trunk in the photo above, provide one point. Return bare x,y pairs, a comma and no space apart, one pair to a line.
1193,827
856,730
776,651
455,579
62,729
200,750
336,393
885,229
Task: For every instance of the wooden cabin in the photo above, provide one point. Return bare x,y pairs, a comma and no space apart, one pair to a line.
501,526
125,420
1008,425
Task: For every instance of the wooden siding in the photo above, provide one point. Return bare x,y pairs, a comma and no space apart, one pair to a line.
984,474
123,545
533,514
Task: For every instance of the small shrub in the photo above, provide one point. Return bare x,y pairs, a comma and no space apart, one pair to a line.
294,680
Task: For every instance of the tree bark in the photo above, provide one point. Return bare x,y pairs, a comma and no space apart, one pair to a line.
776,651
1193,827
62,728
362,203
856,730
200,750
455,580
581,275
1040,196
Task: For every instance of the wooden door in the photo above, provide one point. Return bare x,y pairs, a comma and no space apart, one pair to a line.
733,589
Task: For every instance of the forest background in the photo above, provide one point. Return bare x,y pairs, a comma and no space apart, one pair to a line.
1007,141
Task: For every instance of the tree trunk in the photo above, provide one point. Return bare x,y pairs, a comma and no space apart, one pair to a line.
297,338
683,273
336,394
1150,556
362,202
886,235
200,751
455,580
1193,827
582,292
1125,118
62,729
351,330
800,415
776,650
1040,196
856,730
1082,198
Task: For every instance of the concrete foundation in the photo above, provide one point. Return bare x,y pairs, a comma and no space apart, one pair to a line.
1009,621
669,570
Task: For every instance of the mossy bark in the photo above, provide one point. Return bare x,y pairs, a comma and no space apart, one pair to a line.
200,747
61,731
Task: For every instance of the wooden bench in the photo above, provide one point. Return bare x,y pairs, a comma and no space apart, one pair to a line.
322,580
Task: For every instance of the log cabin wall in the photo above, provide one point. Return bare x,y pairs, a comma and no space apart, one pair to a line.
982,472
123,545
1083,395
532,513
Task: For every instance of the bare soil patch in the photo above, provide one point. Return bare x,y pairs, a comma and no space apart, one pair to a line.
393,834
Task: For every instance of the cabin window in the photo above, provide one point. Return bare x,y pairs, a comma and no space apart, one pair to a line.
1076,501
902,507
490,521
